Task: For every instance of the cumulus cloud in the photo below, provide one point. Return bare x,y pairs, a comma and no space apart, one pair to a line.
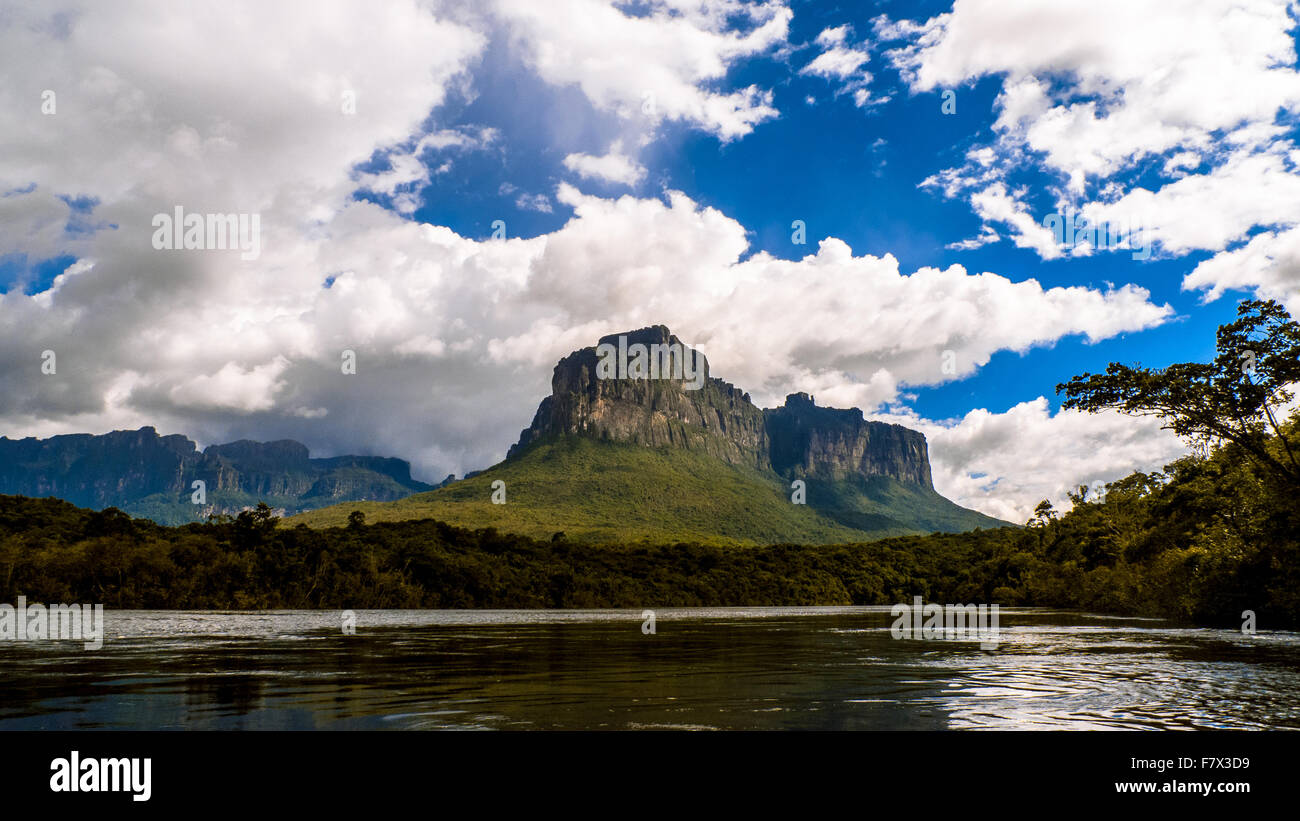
1269,265
1209,212
233,388
1215,65
633,260
455,393
410,170
1091,102
614,166
155,102
1004,464
238,109
665,64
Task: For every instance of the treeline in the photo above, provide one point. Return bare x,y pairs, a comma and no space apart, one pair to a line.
1201,542
53,551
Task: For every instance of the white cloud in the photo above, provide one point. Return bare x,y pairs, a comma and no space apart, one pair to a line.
457,392
834,36
1093,88
409,169
1214,65
1175,166
614,166
242,108
996,204
1210,211
987,235
422,344
242,102
233,388
842,63
836,63
534,202
863,327
1269,265
1004,464
656,66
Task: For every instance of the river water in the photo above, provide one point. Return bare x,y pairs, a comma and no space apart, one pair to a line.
709,668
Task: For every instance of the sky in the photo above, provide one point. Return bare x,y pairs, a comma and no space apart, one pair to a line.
854,200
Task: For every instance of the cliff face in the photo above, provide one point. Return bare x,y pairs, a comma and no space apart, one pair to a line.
93,471
123,469
826,443
798,440
715,418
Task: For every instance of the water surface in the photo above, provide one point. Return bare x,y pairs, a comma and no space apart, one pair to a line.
707,668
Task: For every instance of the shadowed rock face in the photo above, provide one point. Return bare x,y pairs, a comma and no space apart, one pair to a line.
826,443
798,439
121,468
717,418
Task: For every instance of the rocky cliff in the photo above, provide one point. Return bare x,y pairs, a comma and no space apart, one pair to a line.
827,443
703,413
715,418
146,474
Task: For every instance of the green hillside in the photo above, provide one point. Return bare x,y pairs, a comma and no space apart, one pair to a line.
596,490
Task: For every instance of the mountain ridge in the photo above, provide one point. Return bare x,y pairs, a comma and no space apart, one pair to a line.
149,475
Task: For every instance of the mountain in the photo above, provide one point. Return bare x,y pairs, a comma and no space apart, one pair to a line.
638,440
152,476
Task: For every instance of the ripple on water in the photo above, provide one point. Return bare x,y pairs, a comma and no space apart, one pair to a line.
819,668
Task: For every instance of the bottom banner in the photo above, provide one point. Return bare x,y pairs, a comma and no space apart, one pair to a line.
615,772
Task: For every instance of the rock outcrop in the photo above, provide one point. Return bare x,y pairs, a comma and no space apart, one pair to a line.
713,416
827,443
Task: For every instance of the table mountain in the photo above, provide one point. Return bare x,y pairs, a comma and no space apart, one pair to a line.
716,418
826,443
639,440
148,475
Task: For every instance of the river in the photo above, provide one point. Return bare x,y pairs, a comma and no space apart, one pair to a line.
831,668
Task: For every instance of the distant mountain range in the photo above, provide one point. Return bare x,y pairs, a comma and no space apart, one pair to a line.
682,458
152,476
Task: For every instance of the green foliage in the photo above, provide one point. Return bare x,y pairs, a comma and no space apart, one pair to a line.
1230,400
53,551
611,491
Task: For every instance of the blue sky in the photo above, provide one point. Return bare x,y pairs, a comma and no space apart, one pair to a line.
647,160
846,171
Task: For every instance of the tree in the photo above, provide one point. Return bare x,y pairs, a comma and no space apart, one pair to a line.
1231,399
253,527
1044,514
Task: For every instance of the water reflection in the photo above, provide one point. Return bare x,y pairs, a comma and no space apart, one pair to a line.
813,668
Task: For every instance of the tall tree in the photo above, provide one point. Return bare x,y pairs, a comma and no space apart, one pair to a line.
1234,398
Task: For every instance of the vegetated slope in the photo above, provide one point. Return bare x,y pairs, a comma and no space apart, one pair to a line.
600,490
